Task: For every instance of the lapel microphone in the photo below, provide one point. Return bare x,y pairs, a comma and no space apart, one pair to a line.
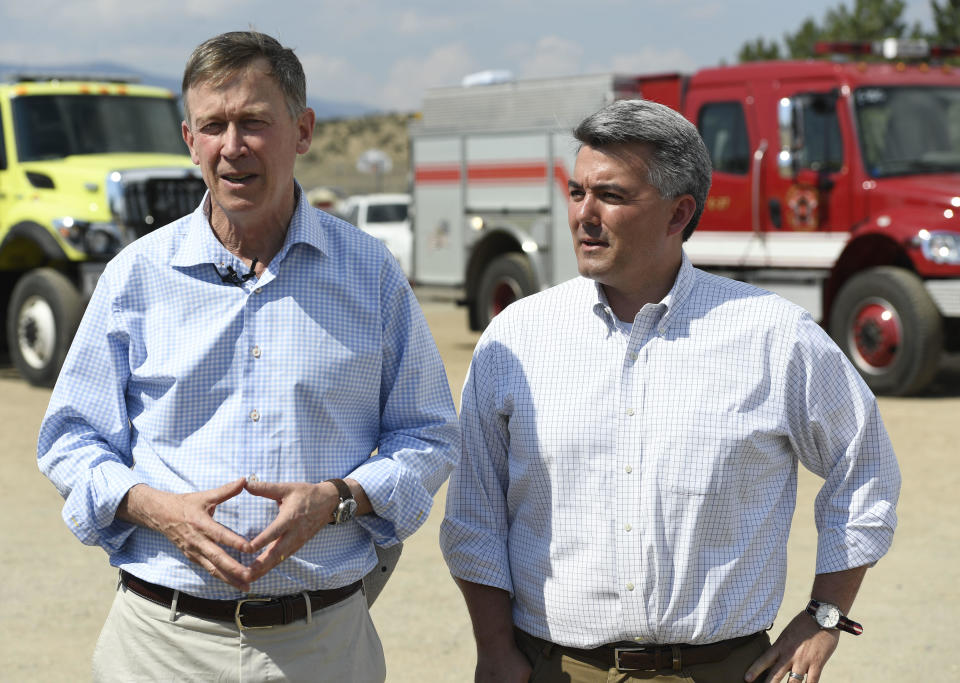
235,278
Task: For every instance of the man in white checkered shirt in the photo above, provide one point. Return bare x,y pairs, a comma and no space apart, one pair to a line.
631,443
215,432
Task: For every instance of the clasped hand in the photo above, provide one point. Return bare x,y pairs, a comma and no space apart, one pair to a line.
187,520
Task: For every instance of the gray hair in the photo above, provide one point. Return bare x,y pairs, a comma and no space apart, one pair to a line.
216,60
679,161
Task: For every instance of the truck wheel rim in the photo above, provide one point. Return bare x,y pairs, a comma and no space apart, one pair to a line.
505,292
36,332
875,336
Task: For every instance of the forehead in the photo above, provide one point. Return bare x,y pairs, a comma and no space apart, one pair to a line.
252,86
622,162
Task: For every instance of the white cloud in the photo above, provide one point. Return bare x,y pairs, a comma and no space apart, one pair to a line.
336,78
650,60
408,78
550,56
412,22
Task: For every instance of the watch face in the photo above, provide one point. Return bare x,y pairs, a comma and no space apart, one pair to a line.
346,510
828,616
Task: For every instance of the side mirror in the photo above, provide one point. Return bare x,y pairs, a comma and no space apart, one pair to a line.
790,124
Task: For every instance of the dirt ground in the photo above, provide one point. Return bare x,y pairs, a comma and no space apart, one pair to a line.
56,592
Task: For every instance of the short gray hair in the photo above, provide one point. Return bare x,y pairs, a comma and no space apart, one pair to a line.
215,60
679,161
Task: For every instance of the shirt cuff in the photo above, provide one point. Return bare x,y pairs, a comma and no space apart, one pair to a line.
90,513
394,517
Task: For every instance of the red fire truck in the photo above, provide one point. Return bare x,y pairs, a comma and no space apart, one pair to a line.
835,184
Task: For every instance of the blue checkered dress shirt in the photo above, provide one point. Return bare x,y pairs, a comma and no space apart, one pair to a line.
181,381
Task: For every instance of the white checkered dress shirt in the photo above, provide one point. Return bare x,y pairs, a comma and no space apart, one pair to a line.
641,486
183,382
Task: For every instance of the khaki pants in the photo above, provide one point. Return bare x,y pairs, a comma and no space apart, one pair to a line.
550,665
143,641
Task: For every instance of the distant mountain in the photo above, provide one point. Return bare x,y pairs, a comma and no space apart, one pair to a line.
325,109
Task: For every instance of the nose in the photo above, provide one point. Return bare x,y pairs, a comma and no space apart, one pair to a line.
585,210
233,144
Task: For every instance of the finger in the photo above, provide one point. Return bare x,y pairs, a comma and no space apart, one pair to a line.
225,492
266,489
764,662
224,536
277,528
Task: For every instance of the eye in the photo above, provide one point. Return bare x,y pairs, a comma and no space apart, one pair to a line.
211,128
576,193
254,124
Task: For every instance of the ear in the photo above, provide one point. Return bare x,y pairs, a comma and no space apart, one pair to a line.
305,124
188,138
684,207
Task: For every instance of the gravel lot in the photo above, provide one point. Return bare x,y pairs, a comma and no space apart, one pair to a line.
56,592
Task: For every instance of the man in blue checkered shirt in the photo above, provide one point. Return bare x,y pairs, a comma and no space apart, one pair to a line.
252,403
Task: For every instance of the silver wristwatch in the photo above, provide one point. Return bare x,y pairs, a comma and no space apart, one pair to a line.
347,508
829,616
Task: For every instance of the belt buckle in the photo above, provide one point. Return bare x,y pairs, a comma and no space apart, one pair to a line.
236,614
616,657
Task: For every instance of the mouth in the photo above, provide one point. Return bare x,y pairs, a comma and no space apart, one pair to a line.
593,244
238,178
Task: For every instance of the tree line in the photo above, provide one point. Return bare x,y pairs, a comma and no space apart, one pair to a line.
869,20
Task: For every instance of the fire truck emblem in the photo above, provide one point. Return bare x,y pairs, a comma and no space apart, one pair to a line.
802,204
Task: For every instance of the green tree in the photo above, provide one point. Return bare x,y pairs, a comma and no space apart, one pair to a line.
868,20
758,50
946,22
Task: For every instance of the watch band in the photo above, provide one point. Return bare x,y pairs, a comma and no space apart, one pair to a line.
342,489
347,507
844,623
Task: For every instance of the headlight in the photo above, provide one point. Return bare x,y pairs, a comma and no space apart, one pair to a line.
939,246
96,239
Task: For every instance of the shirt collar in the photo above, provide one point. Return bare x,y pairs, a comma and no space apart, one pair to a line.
668,306
200,244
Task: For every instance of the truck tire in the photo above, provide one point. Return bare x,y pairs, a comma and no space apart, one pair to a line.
505,279
44,311
889,327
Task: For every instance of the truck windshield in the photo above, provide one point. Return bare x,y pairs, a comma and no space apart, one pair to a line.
57,126
387,213
908,130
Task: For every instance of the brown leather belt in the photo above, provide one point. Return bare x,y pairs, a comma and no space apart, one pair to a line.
255,612
628,657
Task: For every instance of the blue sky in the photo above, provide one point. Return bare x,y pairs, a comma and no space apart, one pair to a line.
385,54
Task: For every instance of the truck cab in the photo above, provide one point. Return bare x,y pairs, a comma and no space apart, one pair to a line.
87,165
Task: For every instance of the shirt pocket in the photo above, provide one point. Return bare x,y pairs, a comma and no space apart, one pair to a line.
699,454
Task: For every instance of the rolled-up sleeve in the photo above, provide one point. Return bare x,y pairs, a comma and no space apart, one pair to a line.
84,441
419,434
474,532
839,435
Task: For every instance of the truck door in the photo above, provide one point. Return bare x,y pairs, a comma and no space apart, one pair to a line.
438,229
726,120
810,185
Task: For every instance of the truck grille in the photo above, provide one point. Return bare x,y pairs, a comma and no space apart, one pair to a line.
144,200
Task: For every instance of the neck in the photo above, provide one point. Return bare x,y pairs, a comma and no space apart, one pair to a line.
626,302
252,238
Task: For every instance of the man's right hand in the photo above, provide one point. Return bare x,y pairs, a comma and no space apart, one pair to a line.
509,666
187,520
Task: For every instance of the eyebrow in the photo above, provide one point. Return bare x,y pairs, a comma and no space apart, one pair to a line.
619,189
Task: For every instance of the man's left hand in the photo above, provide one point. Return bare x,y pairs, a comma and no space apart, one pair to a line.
304,510
802,648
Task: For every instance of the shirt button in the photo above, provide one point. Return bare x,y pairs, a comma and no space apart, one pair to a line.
254,415
631,411
628,469
629,586
633,355
662,331
628,527
255,351
253,477
258,290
